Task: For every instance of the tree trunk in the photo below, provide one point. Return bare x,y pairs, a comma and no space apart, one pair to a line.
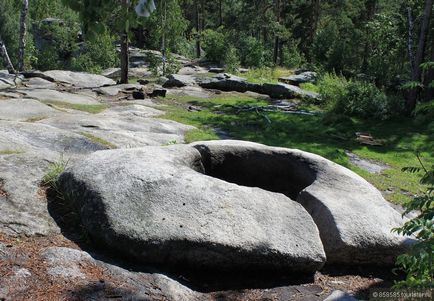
23,34
124,58
198,51
410,40
220,13
276,38
410,104
5,57
124,48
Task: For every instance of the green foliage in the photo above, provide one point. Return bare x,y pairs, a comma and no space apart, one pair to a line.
418,263
58,45
97,54
424,113
354,98
252,52
171,66
9,17
173,28
231,60
214,45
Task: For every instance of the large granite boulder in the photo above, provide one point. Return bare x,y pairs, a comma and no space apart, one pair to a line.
301,78
158,205
354,220
79,79
227,82
178,80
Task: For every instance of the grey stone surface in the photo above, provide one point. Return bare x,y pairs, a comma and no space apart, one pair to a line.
23,109
58,96
69,264
9,80
116,89
65,262
39,83
227,82
26,151
368,165
159,202
124,126
177,80
354,220
302,78
340,296
79,79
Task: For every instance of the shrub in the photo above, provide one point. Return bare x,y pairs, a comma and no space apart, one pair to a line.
98,54
424,113
354,98
364,99
156,65
214,45
232,61
252,52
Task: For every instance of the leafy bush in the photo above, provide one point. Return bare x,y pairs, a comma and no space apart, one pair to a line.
172,66
252,52
354,98
57,45
232,61
424,113
98,54
418,262
214,45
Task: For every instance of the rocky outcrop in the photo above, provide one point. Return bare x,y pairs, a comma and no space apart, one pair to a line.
354,220
227,82
301,78
9,80
177,81
160,203
79,79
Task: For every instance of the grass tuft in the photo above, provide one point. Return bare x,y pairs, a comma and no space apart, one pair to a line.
53,173
10,152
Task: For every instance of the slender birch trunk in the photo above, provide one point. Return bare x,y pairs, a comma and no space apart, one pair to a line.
6,59
23,34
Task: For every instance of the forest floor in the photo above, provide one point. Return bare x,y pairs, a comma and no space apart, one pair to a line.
235,116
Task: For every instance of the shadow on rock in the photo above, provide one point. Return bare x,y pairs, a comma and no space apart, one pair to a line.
68,220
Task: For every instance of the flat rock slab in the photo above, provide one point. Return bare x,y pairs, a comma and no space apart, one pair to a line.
177,80
301,78
368,165
48,95
72,274
125,127
159,202
79,79
24,109
39,83
354,220
26,152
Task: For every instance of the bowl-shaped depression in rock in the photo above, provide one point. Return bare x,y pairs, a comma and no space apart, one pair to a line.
354,220
157,205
